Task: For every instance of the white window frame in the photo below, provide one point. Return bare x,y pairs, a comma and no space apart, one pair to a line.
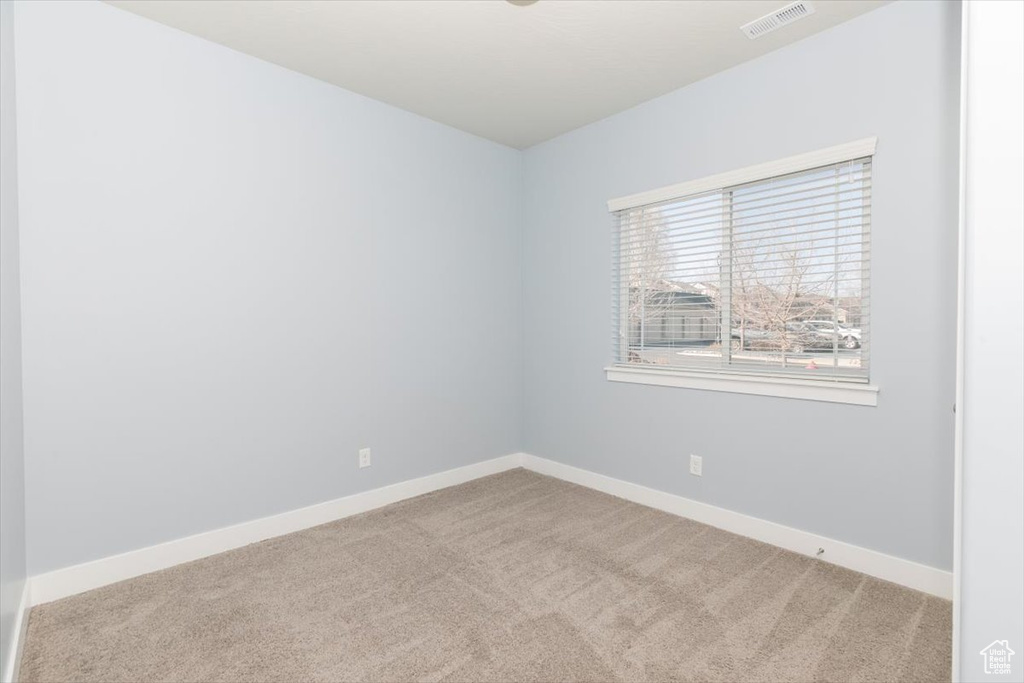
837,391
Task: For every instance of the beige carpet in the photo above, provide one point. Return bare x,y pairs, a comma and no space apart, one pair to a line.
513,577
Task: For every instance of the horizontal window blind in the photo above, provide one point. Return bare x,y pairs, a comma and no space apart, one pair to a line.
765,277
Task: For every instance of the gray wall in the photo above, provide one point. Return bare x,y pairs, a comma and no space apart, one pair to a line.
880,477
234,277
992,510
12,456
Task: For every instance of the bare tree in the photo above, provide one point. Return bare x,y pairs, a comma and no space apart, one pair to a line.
774,285
647,266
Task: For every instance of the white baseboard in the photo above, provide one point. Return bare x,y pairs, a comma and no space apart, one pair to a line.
19,628
904,572
82,577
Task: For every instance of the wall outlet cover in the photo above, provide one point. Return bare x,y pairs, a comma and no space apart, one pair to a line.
696,465
364,457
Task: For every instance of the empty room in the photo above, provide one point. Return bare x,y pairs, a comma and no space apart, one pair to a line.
511,340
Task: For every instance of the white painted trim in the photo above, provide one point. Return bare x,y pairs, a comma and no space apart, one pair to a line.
19,628
793,164
79,578
958,429
82,577
904,572
853,393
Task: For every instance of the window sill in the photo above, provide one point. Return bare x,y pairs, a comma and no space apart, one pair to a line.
810,390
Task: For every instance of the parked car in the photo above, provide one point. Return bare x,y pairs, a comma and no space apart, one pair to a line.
795,339
849,337
799,337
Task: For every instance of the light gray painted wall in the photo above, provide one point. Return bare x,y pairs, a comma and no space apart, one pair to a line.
880,477
234,277
992,512
12,455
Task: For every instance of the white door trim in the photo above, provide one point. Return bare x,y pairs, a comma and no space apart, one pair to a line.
958,430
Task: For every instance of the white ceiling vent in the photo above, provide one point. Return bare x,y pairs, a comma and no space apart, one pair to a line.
777,19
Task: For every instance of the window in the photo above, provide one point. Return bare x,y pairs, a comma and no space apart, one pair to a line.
758,274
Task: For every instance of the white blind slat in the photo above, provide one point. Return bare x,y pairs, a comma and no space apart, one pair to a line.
769,276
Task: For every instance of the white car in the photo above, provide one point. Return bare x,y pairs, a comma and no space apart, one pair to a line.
849,337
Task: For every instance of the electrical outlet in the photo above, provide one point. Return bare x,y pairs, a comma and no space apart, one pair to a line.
696,465
364,457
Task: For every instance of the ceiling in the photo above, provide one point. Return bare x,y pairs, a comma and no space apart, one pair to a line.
516,75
